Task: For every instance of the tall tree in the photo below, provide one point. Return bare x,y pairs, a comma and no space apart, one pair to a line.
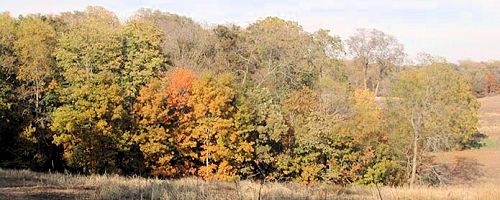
34,48
143,56
280,50
9,112
374,48
433,107
7,50
216,118
164,117
89,123
7,61
186,43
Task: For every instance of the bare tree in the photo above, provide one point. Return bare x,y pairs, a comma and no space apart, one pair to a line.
374,48
187,43
424,59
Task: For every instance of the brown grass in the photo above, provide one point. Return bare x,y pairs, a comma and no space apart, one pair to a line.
488,157
23,184
467,192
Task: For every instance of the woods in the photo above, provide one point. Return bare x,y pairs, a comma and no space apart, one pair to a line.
161,95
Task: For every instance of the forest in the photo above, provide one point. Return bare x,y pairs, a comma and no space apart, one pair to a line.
160,95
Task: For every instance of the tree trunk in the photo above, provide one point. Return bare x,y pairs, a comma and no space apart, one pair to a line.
414,161
376,88
245,76
37,104
365,74
208,153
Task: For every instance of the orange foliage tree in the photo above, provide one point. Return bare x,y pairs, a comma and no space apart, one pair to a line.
491,85
222,145
162,112
192,126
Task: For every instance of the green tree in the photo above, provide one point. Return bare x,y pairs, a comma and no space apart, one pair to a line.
7,61
34,48
263,119
7,40
432,108
9,114
89,123
279,51
142,57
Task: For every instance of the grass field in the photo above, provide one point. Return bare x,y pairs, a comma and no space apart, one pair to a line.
22,184
488,157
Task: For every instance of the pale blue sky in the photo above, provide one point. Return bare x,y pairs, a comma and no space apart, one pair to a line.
454,29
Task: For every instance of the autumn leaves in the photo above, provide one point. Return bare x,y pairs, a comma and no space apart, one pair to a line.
160,95
189,126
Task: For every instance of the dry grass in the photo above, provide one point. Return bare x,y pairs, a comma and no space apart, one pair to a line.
23,184
484,191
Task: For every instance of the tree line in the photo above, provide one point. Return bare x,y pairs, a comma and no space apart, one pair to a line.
161,95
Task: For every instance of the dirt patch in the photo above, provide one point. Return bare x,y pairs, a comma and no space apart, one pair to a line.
45,192
17,186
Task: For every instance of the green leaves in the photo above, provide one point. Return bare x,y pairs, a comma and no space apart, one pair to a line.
444,100
143,56
89,123
35,44
90,46
430,109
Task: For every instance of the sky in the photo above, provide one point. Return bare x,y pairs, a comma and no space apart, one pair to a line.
454,29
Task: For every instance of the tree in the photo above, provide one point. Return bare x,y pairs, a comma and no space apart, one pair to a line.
367,120
425,59
373,48
88,125
91,45
34,48
89,122
262,117
490,85
327,53
281,51
232,54
476,73
222,146
7,62
36,98
186,43
143,56
10,115
164,117
432,107
7,49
